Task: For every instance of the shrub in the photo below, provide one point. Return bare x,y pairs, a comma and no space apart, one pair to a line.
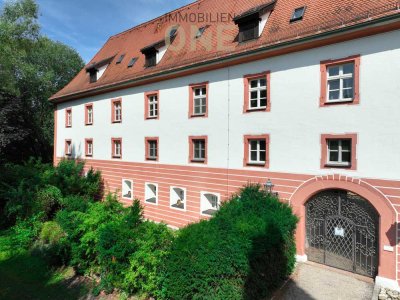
51,233
48,201
244,252
25,232
72,203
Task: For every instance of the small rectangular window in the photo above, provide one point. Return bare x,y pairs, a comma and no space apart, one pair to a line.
151,193
116,148
339,152
93,75
89,147
199,150
117,111
200,101
209,203
258,93
152,106
132,62
248,31
340,83
151,58
151,148
68,148
120,59
298,14
127,189
178,198
257,151
68,117
89,114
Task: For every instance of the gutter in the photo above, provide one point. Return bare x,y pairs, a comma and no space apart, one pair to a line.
219,62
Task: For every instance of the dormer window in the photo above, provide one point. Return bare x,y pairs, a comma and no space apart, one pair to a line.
96,70
252,22
298,14
151,58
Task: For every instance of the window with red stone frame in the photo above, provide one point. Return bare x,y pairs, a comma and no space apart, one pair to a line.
257,92
198,149
116,148
152,105
89,147
198,100
116,110
340,81
339,145
68,148
89,114
151,148
68,117
256,151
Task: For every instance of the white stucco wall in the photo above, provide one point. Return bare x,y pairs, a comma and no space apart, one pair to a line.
295,122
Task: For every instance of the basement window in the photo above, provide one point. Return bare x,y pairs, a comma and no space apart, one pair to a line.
178,197
151,193
127,189
298,14
209,203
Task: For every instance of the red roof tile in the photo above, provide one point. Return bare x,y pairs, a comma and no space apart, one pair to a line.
186,50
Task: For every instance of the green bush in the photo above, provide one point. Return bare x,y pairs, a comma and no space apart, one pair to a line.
244,252
75,203
48,200
51,233
25,232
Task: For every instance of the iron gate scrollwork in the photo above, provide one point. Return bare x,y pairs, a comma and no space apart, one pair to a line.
342,232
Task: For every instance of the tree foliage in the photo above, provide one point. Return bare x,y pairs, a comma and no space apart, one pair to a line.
32,68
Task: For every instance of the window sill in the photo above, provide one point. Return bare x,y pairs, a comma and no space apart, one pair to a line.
152,118
152,201
116,157
340,102
209,212
261,109
152,158
179,207
256,164
68,126
88,124
116,122
198,161
199,116
89,155
339,166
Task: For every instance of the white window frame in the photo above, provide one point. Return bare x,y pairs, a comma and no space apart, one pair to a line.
149,193
125,188
200,98
173,197
340,151
341,77
152,105
89,109
117,111
201,149
205,203
258,161
89,147
258,89
115,147
150,149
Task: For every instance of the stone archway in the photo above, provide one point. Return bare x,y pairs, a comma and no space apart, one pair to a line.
387,216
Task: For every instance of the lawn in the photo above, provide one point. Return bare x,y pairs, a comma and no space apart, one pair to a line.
24,276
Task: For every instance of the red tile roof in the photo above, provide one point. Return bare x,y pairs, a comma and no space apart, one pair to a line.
185,50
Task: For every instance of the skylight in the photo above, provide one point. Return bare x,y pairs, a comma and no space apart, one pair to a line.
200,32
172,33
298,14
132,62
120,59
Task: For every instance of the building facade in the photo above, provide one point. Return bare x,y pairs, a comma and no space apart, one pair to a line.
314,110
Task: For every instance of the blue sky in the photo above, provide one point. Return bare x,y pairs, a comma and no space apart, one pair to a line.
86,24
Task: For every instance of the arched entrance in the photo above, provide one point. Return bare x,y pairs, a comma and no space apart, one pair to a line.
342,230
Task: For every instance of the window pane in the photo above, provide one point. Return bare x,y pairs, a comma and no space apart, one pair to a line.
254,95
263,82
334,84
346,157
334,145
334,156
253,83
197,110
348,93
253,103
348,83
262,155
197,92
346,145
348,68
263,102
334,95
253,156
253,145
204,90
333,71
263,145
263,94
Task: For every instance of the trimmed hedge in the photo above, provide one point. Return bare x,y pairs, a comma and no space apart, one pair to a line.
244,252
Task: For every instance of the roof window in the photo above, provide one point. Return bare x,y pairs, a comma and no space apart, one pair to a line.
120,59
200,32
298,14
132,62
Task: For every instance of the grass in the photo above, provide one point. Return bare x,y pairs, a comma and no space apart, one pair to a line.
24,276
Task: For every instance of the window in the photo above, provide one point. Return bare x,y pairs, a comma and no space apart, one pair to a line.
89,114
198,149
339,151
340,81
198,100
89,147
120,59
151,58
256,150
209,203
151,193
257,92
132,62
151,147
68,117
116,144
93,75
68,147
298,14
178,198
200,32
127,189
151,105
248,31
116,111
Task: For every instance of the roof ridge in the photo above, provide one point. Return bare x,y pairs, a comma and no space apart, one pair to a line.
155,19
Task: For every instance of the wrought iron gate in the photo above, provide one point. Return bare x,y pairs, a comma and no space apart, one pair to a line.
342,232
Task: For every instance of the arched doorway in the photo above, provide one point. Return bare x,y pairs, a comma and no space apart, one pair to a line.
342,231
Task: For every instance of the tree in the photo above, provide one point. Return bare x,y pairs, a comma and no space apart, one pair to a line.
32,68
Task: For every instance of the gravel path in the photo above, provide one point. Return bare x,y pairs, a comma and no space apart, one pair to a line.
312,281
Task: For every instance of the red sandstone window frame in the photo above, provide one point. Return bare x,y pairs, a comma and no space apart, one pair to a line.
246,145
246,81
113,110
147,96
68,147
147,141
87,142
324,65
87,106
324,150
68,117
192,88
113,147
191,141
